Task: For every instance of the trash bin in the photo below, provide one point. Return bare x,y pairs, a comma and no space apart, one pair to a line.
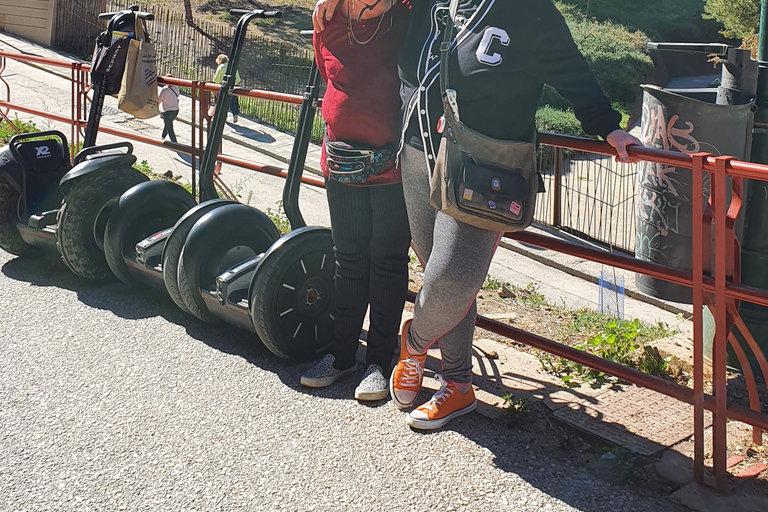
688,120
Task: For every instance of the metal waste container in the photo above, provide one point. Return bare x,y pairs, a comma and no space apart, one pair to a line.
688,120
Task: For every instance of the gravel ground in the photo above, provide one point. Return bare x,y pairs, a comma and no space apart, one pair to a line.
113,399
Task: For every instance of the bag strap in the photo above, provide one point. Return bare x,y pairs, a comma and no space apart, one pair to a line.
445,47
140,29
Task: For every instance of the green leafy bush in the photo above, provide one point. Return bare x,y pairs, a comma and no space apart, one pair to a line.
7,132
740,18
616,56
661,20
553,120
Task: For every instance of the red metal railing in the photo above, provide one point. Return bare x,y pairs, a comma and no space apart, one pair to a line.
715,284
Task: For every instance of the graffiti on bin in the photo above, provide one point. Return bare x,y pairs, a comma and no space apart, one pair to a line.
661,193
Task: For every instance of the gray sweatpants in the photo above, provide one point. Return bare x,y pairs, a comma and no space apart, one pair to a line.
457,256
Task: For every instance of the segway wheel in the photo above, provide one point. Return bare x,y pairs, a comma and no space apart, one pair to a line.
292,292
175,244
10,238
83,218
221,239
143,210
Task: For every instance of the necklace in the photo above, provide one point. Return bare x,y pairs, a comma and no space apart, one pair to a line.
351,33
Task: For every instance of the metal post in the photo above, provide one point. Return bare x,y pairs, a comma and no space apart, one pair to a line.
558,192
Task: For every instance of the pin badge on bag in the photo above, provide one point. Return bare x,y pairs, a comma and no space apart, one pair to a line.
515,208
441,124
491,205
468,194
496,184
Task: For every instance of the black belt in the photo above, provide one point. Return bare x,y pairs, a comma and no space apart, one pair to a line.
350,163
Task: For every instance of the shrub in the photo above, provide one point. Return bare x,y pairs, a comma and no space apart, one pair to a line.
616,56
553,120
741,18
7,131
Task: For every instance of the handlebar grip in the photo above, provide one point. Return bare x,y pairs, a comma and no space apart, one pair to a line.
307,34
107,15
95,150
259,13
149,16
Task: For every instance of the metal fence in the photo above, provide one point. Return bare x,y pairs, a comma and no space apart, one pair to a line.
590,196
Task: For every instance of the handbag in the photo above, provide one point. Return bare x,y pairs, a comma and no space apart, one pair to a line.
485,182
138,90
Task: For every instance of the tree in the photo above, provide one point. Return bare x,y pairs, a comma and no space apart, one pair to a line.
740,18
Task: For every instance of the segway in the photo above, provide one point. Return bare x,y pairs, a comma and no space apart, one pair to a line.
44,201
233,266
150,216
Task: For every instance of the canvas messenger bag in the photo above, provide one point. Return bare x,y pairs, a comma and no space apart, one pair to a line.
485,182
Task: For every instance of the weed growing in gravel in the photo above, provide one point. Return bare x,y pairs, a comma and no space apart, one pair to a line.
616,340
144,168
279,218
529,296
491,283
516,406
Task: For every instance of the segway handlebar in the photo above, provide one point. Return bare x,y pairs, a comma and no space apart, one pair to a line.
148,16
258,13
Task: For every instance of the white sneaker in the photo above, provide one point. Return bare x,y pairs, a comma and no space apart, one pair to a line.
323,374
373,386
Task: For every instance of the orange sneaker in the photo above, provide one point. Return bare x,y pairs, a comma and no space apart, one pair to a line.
405,382
445,405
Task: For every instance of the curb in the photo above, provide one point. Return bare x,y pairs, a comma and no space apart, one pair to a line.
653,301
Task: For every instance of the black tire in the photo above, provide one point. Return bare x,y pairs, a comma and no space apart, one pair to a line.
142,211
175,243
83,218
221,239
292,292
10,238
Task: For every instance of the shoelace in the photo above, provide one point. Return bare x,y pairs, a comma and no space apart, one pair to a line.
441,396
411,374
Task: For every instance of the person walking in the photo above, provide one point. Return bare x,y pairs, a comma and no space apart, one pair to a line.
357,57
222,61
168,103
501,55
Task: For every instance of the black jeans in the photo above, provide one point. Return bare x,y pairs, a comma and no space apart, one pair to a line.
234,105
168,117
371,238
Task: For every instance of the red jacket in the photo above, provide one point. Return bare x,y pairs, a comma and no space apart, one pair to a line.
362,98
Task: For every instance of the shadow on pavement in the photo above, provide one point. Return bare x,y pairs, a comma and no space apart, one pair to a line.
251,134
525,448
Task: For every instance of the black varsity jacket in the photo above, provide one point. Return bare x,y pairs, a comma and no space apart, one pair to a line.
503,51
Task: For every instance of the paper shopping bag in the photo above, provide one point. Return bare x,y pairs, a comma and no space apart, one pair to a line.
138,91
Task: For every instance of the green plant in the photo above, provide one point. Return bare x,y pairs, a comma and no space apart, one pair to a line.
551,119
7,131
616,340
491,283
652,362
740,18
144,168
279,218
516,406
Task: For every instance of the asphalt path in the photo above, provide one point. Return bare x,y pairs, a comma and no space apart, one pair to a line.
111,399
